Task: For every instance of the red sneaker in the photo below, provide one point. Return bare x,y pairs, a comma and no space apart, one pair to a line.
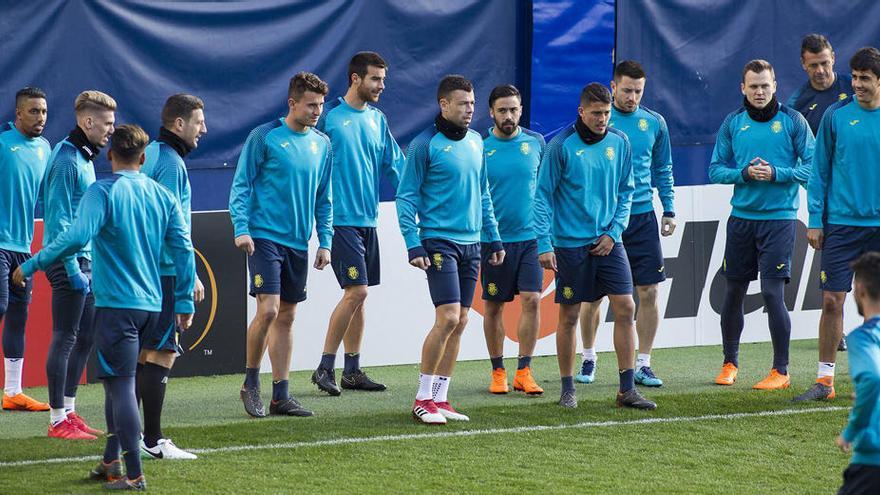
449,412
426,412
80,423
68,431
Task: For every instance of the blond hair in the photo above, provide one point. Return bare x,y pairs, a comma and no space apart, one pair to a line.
93,100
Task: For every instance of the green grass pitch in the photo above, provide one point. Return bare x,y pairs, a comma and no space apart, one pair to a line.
702,438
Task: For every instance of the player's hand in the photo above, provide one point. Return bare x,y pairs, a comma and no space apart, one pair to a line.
843,445
322,259
667,226
603,246
80,283
759,170
245,243
548,260
422,262
816,237
18,277
198,291
184,320
497,258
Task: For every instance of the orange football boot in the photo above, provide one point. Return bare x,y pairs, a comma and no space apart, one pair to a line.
774,381
21,402
727,375
525,382
499,381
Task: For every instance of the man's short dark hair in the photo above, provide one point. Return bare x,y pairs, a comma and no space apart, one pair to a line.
503,91
306,81
128,142
595,93
629,68
453,82
867,272
758,66
27,93
815,43
361,61
867,58
180,106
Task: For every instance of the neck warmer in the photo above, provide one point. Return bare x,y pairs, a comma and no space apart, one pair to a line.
586,134
180,146
450,130
762,114
78,139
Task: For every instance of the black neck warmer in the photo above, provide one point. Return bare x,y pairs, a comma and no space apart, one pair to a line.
586,134
450,130
180,146
78,139
762,114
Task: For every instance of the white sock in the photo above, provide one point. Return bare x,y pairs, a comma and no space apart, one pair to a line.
643,360
425,382
441,388
57,415
13,375
825,369
69,404
589,354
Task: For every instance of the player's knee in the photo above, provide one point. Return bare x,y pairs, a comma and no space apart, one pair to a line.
529,302
567,320
462,322
647,295
832,303
355,294
493,309
624,308
266,314
447,319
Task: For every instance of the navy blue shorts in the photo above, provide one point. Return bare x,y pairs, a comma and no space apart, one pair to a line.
754,246
641,239
520,271
117,339
165,335
9,261
452,276
843,245
355,255
278,270
582,277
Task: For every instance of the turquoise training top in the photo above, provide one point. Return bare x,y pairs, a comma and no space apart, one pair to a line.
165,165
785,142
846,168
23,162
863,428
281,187
584,190
129,219
512,167
363,150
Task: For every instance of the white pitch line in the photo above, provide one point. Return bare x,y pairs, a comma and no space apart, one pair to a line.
454,434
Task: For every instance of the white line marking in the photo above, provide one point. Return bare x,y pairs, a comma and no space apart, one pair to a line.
454,434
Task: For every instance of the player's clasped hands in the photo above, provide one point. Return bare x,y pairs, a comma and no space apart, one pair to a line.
759,169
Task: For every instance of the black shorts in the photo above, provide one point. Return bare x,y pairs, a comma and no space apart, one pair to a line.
355,256
641,239
278,270
165,334
860,479
844,244
452,276
117,334
520,272
582,277
754,246
9,261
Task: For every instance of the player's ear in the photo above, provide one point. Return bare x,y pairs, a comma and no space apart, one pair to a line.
143,158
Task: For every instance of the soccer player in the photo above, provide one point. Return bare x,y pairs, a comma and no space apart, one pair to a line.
71,172
183,124
844,219
860,434
585,188
280,190
363,150
764,149
652,167
513,154
131,219
824,87
24,155
444,183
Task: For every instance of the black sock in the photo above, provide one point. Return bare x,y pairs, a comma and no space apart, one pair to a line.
139,370
153,381
252,377
524,362
497,362
626,379
779,322
279,390
567,384
352,363
732,319
328,361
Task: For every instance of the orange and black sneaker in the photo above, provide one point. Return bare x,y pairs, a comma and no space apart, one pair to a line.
727,375
138,484
525,382
21,402
774,381
499,381
107,472
823,389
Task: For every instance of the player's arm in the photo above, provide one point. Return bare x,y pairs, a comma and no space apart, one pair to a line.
61,183
393,160
817,183
252,154
178,244
864,363
408,200
549,176
661,169
490,224
324,212
90,217
625,188
804,145
721,168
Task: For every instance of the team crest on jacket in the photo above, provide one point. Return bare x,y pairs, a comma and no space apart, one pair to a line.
841,96
524,148
353,272
492,289
438,261
314,147
609,153
776,127
643,125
